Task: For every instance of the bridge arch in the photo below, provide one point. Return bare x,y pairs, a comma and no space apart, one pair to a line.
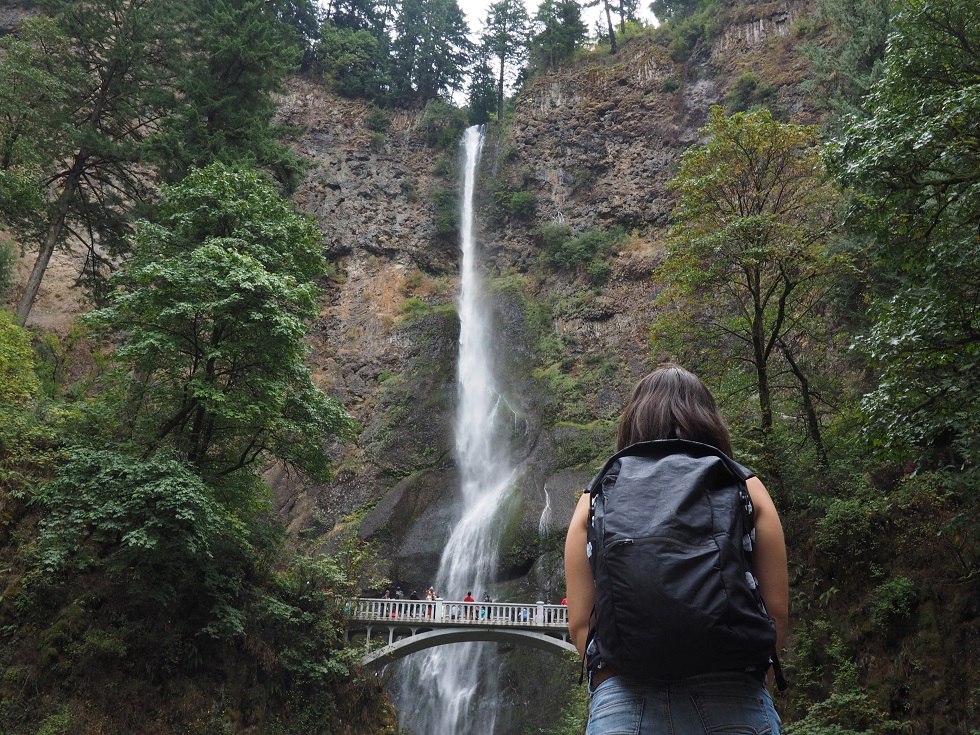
414,643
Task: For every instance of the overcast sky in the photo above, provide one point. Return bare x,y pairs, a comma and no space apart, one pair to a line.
476,13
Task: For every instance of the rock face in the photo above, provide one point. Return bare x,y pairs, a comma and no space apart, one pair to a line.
593,146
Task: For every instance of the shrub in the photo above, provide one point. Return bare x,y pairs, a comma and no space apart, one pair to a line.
569,252
892,602
749,91
447,211
378,120
521,204
599,270
443,124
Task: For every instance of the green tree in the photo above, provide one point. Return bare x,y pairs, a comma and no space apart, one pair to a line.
241,55
115,70
210,315
914,169
749,254
431,49
350,61
31,89
560,31
845,65
505,37
482,91
668,11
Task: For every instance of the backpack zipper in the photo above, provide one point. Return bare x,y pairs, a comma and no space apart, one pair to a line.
654,539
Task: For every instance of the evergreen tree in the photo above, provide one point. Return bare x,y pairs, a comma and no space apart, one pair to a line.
242,53
356,15
560,31
845,68
117,69
32,93
506,32
303,16
482,93
431,49
351,61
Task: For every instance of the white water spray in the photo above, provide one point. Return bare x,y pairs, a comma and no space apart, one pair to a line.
452,689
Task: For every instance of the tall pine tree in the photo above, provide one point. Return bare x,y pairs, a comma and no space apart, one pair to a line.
505,38
431,49
560,32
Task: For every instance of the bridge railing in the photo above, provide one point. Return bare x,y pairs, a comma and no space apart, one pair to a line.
452,612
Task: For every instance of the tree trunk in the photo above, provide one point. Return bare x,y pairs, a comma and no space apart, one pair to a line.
762,371
809,410
55,228
500,92
612,30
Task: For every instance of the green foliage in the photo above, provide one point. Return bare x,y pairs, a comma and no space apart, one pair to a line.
560,32
430,51
892,602
378,120
210,315
27,438
447,212
348,60
565,251
913,167
584,445
851,713
482,92
845,65
521,204
443,125
151,521
752,229
413,307
507,202
242,53
31,90
748,91
686,23
505,35
847,536
59,724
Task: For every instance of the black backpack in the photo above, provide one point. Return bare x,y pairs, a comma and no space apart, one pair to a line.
670,534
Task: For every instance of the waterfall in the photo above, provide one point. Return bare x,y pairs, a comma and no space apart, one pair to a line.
452,689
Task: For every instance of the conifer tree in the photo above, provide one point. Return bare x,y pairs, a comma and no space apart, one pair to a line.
431,49
505,38
117,59
560,31
242,53
482,92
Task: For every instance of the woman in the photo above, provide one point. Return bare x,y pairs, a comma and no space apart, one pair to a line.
672,403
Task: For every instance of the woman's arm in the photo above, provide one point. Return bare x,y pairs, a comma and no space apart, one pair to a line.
770,558
579,584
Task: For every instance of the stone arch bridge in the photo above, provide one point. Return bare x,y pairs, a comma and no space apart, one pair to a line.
407,626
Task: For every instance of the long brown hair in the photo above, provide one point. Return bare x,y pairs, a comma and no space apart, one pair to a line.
672,403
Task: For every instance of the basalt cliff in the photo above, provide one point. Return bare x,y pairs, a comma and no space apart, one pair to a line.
590,149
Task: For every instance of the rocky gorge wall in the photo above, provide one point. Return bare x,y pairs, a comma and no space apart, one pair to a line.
593,146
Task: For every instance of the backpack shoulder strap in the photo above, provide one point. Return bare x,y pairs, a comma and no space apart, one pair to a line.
664,447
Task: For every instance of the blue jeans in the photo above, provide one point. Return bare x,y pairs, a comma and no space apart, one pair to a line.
727,703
